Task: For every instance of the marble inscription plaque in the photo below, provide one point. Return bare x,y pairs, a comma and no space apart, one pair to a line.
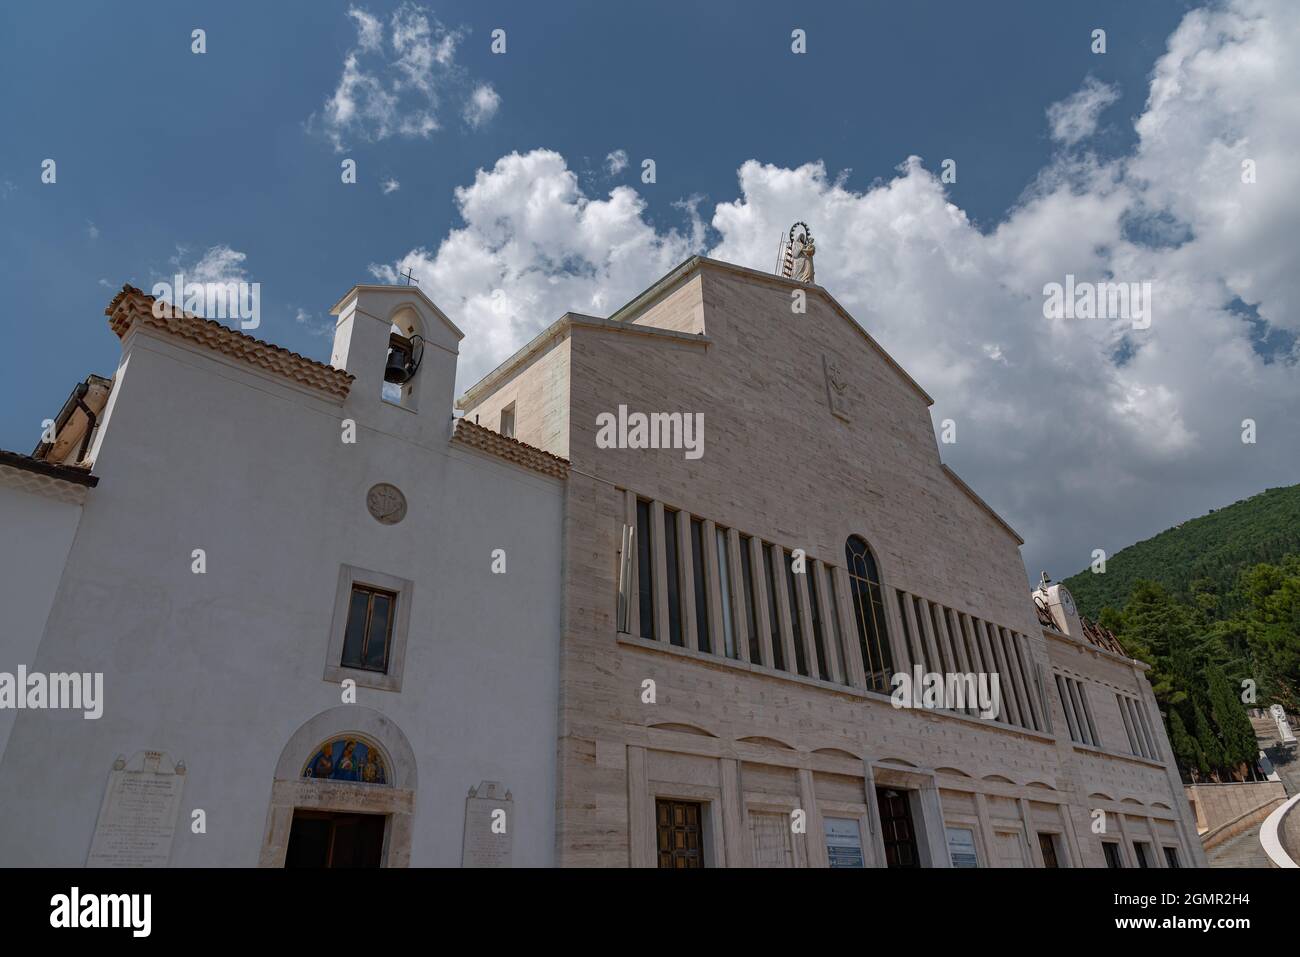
137,819
489,826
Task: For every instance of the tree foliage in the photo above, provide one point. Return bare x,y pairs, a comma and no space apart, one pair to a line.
1200,561
1208,665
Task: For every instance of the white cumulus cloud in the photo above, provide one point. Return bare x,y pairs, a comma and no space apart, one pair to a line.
1075,118
535,246
218,263
1082,433
393,81
482,105
616,162
370,31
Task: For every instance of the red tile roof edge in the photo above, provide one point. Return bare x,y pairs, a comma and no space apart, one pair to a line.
494,443
133,305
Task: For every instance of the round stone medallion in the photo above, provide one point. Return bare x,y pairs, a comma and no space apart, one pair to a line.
386,503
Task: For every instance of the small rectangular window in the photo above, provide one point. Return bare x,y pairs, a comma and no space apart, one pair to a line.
1087,715
796,626
625,566
1140,714
1067,705
724,592
838,630
751,599
701,586
819,637
1074,701
1139,738
773,619
940,645
369,628
645,570
1113,859
1171,857
907,636
1143,852
508,421
674,583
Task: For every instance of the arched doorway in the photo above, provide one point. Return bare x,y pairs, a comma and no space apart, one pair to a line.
343,794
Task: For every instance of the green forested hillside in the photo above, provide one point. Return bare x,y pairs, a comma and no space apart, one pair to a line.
1205,555
1213,605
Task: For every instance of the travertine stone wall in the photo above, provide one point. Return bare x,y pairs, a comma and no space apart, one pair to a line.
540,394
744,739
1219,804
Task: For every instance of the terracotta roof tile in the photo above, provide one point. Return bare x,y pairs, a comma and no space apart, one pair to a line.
1102,637
494,443
132,305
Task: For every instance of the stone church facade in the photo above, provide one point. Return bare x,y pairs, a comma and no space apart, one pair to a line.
721,703
562,647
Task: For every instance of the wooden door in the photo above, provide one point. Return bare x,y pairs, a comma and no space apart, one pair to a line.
680,835
896,828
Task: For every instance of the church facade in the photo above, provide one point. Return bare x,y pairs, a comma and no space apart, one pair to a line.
641,604
322,616
736,604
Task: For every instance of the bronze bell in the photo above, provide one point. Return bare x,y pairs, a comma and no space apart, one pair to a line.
399,367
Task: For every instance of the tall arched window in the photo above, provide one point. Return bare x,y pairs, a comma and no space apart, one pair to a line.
869,610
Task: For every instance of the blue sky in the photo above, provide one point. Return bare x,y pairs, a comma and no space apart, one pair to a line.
164,156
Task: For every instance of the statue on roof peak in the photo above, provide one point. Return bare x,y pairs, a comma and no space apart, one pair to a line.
804,250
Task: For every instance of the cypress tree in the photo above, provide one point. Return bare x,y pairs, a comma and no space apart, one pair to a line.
1211,750
1234,727
1186,752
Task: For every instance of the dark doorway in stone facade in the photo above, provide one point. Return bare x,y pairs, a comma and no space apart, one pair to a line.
332,839
1047,842
896,828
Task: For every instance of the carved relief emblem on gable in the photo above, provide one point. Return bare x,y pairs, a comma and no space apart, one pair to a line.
837,388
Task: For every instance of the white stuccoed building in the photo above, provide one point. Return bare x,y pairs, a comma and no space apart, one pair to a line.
320,613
